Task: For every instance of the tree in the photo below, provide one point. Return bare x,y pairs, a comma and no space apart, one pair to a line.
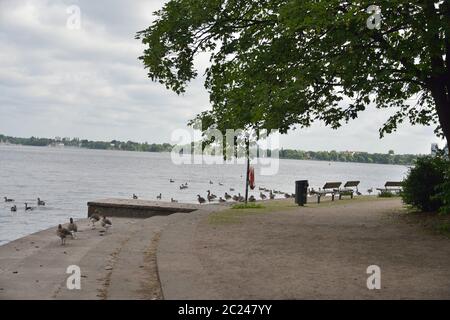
278,64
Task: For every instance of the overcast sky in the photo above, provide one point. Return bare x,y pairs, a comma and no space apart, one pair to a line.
88,83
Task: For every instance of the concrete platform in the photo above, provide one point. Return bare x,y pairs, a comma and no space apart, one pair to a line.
130,208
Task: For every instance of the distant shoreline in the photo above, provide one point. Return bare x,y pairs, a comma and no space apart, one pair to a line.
388,159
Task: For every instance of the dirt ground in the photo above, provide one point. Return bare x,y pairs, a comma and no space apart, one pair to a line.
322,252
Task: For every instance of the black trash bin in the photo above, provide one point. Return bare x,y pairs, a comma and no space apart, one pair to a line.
301,192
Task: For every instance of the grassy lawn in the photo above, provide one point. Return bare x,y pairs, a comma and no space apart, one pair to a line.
431,221
235,213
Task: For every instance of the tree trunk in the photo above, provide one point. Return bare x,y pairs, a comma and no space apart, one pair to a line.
442,100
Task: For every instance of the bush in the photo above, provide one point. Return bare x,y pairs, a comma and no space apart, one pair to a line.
423,186
386,194
444,193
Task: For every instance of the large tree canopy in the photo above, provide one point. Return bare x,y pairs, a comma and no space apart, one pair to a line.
276,64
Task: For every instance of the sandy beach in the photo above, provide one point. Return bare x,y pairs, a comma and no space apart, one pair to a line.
280,252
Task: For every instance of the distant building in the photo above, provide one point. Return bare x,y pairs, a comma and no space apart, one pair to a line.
434,149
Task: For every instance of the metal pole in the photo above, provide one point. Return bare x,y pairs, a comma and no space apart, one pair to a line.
248,169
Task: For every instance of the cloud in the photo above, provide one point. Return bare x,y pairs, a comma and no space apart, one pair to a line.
88,83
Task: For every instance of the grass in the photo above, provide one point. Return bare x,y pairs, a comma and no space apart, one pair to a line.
237,212
431,221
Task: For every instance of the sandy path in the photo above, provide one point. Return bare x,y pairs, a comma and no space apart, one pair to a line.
310,253
119,265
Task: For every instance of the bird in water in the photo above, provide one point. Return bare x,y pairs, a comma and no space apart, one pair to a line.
106,223
173,200
159,197
27,208
62,233
8,200
200,199
40,202
220,184
135,197
94,218
210,182
172,181
73,228
231,189
14,208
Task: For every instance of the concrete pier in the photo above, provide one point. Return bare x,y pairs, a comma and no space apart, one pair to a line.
127,208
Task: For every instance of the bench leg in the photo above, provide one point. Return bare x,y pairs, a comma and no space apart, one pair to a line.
332,197
340,196
318,198
351,195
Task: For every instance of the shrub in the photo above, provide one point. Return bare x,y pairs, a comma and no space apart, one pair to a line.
422,186
444,193
386,194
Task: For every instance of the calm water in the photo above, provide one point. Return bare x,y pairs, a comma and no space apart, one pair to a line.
68,178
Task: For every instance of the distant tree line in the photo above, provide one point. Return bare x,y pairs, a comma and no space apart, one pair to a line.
341,156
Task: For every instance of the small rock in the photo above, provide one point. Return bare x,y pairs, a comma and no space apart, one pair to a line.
108,268
41,266
15,272
36,247
65,252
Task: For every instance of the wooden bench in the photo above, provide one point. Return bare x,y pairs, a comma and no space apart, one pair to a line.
349,189
328,188
392,186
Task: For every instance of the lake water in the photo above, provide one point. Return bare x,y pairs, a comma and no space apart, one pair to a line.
68,178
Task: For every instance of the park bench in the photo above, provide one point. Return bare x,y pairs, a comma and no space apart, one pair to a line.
328,188
350,187
392,186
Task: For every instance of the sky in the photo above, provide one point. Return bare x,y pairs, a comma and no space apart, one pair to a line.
86,82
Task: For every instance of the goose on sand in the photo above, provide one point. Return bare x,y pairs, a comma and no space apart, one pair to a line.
263,196
173,200
200,199
251,199
135,197
94,218
62,233
222,200
73,228
227,196
106,223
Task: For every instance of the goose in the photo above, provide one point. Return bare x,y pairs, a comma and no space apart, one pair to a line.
159,197
220,184
14,208
183,186
231,189
358,193
135,197
252,199
200,199
8,200
235,198
222,200
106,223
73,228
210,195
27,208
94,218
210,182
261,188
271,195
172,181
287,195
173,200
62,233
370,190
241,198
263,196
40,202
227,196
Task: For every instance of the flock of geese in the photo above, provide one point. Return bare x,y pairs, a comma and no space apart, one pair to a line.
264,194
27,207
72,227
